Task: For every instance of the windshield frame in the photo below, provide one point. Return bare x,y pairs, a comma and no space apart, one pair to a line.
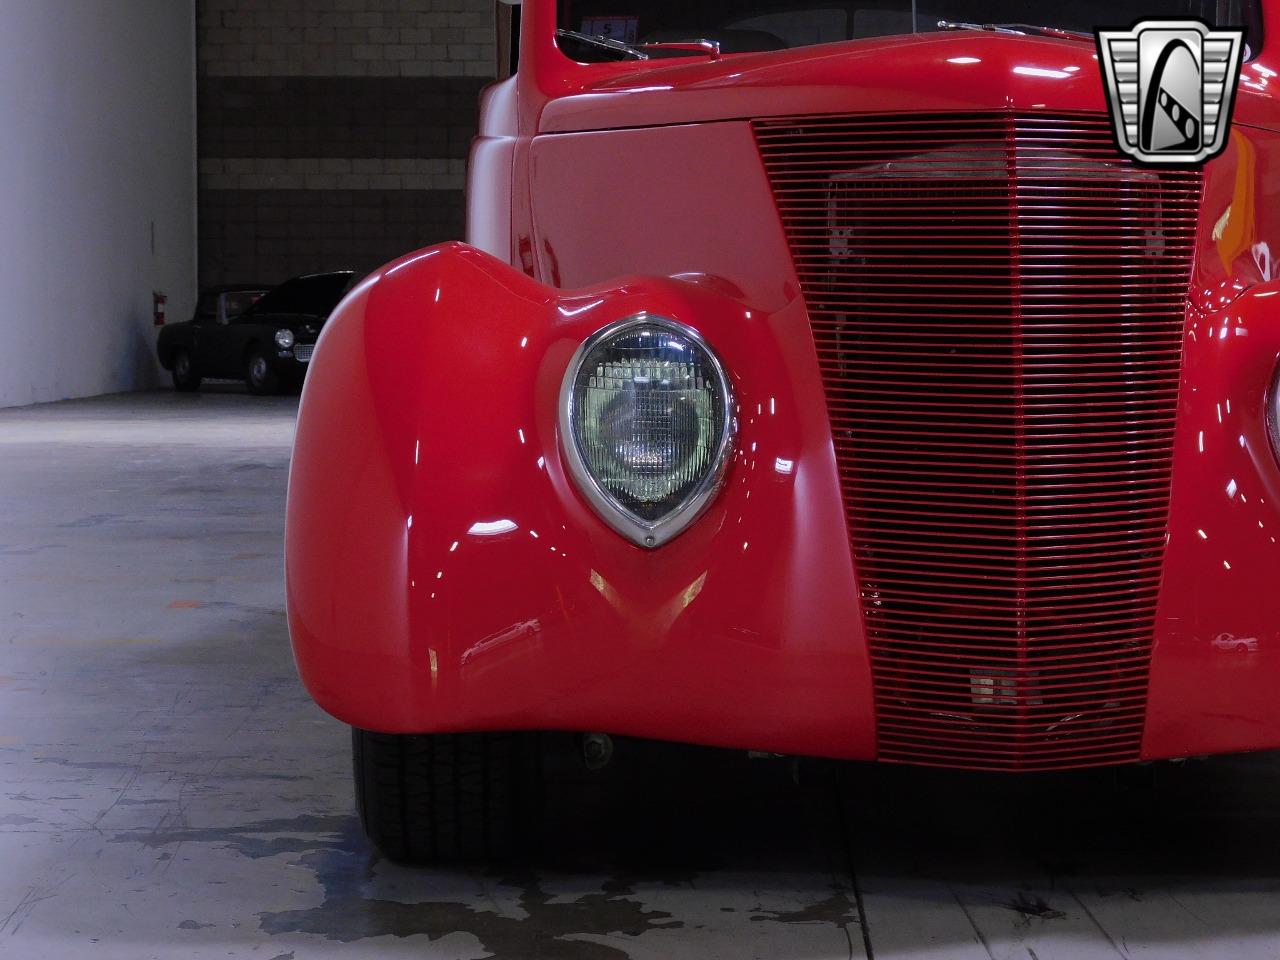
1254,25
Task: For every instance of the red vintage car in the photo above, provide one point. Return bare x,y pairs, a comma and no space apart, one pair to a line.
819,379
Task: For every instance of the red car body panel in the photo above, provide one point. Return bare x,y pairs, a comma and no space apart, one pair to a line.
449,577
444,573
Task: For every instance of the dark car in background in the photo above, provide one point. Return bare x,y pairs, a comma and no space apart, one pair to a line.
226,302
267,342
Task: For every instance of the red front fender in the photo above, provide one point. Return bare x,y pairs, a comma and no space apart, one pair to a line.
444,574
1216,663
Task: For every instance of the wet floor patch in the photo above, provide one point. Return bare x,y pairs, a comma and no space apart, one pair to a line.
349,914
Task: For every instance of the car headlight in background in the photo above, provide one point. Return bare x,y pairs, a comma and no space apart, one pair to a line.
284,339
647,422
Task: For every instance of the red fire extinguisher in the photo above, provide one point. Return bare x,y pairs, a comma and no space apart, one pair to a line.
158,301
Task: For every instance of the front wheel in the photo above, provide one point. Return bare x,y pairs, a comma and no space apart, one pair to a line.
186,379
258,374
447,796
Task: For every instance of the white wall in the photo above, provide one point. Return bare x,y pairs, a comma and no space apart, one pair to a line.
97,143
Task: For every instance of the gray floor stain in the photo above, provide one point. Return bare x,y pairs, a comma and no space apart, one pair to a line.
1034,908
94,520
348,914
85,764
839,908
335,851
13,550
254,840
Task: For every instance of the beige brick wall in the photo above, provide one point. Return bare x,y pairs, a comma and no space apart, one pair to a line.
363,38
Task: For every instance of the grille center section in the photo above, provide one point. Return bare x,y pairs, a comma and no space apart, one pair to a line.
997,303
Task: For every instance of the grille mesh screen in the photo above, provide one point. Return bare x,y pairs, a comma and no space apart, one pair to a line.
997,303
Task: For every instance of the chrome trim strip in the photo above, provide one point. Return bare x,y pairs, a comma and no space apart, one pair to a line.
643,533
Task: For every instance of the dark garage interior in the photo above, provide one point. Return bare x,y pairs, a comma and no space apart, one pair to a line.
167,786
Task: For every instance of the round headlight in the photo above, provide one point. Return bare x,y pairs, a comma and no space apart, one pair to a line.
284,339
647,421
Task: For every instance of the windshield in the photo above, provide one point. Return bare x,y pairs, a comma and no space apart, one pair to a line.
313,296
236,302
758,25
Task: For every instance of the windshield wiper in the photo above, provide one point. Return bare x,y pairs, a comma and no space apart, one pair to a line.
629,51
625,51
1021,29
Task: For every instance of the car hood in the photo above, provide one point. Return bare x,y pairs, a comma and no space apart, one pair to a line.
955,71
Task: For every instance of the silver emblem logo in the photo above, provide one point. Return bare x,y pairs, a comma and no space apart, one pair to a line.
1171,85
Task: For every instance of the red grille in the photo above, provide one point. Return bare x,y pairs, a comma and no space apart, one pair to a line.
997,303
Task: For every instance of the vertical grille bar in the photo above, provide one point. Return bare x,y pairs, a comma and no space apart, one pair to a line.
997,303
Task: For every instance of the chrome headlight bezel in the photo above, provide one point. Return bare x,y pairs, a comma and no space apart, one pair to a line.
285,338
1271,413
646,533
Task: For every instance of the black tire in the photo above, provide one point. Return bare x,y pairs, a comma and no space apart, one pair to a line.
448,797
186,378
259,376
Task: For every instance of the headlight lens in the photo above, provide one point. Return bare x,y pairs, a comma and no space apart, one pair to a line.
284,339
648,421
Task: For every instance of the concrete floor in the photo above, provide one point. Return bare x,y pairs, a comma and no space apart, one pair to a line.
167,789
